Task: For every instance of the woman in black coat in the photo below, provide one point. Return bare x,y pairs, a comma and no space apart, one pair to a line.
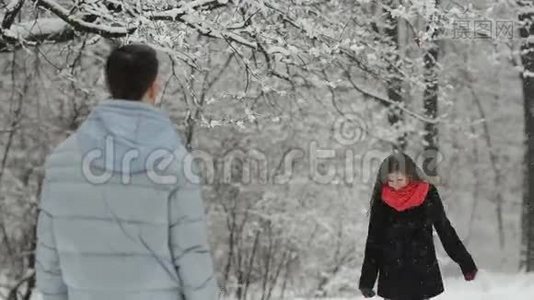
399,248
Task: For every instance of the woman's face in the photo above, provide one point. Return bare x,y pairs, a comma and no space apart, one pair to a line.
397,180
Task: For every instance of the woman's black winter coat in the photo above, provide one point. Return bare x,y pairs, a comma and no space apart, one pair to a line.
400,249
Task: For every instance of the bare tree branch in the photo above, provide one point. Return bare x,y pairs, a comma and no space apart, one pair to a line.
81,25
12,10
177,54
389,102
31,32
176,14
87,23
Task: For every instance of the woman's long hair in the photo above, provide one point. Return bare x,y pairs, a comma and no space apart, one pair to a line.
396,162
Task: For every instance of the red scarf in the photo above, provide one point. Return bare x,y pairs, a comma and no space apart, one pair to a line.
409,196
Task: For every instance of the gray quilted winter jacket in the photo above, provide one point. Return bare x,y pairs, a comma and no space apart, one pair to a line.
112,230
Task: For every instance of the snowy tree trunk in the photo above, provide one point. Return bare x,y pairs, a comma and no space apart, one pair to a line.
527,76
430,104
394,83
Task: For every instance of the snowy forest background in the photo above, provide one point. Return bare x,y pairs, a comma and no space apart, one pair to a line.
293,104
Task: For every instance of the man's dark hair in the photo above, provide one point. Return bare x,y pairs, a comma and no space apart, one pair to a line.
130,70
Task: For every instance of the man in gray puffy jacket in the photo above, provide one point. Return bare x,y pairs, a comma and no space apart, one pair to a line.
121,214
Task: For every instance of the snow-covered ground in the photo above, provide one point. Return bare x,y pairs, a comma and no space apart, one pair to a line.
487,286
490,286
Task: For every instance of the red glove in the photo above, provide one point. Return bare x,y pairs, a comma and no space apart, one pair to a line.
470,275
